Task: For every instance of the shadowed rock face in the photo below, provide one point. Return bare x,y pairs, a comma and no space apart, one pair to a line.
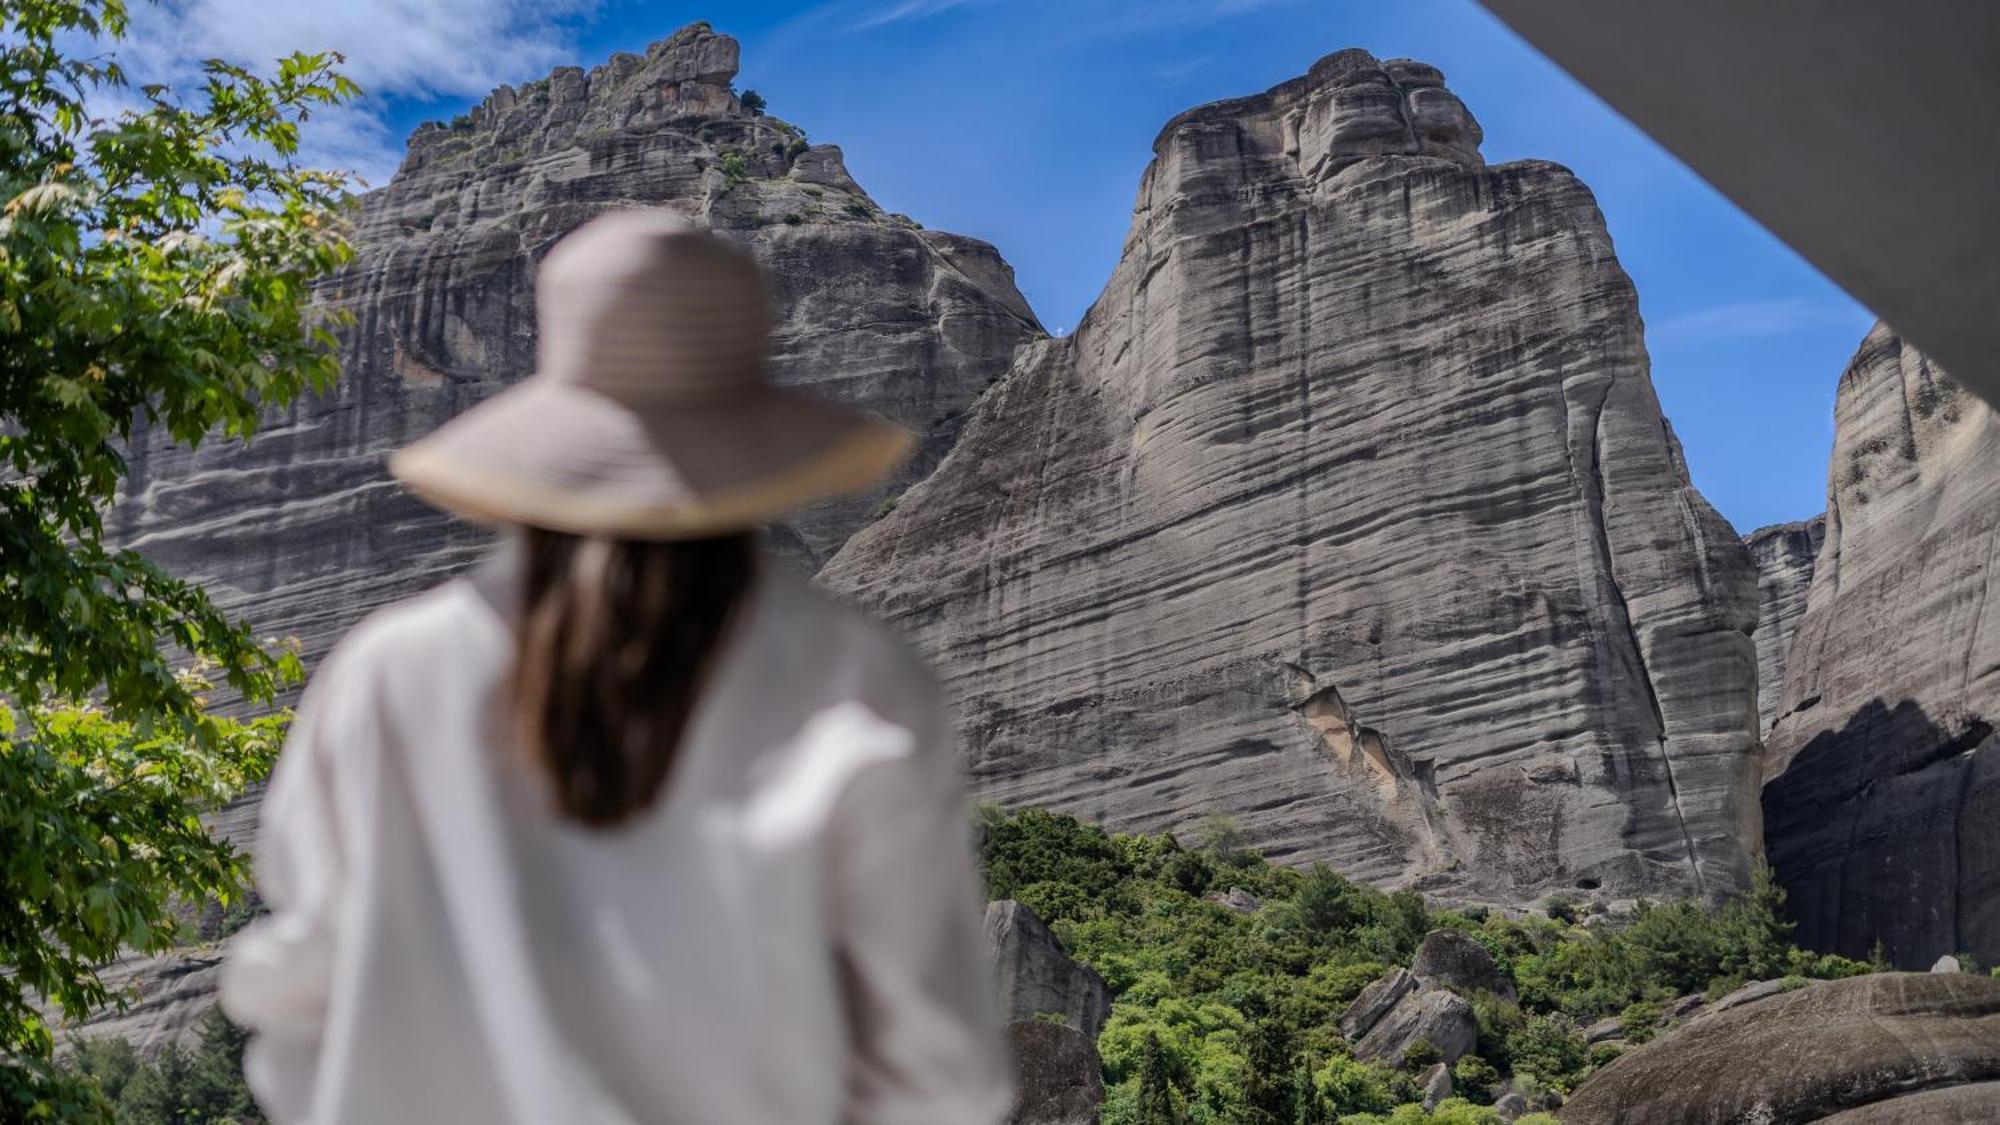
1348,510
1882,812
1888,1049
1784,555
304,532
1035,975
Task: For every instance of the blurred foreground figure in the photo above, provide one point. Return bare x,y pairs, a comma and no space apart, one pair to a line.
627,826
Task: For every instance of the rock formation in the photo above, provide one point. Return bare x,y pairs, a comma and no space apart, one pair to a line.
1454,960
303,532
1035,975
1887,1049
1783,554
1348,511
1882,809
1058,1077
1399,1011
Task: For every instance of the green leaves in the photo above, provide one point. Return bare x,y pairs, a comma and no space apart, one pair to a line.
155,275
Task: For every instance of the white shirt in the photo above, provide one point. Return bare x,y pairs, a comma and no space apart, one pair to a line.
789,935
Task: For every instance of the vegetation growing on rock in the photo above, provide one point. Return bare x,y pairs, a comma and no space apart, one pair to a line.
1222,1015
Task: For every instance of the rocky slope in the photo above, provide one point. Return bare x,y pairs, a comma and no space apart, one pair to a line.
1783,554
303,530
1348,511
1882,812
1890,1049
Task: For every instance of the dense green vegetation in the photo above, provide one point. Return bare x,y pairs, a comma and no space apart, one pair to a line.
1226,1016
176,1086
155,267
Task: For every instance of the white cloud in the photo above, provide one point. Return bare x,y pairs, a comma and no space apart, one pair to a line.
394,48
1738,320
878,15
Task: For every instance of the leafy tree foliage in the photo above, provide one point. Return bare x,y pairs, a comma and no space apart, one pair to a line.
155,268
177,1086
1222,1015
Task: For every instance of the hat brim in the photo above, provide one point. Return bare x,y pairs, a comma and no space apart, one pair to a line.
560,456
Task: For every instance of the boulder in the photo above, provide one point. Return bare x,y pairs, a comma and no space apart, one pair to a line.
1974,1104
1454,960
1748,994
1946,964
1375,1001
1510,1106
1237,899
1058,1078
1873,1045
1442,1018
1036,975
1436,1084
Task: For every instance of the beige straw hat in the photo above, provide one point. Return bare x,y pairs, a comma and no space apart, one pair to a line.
650,415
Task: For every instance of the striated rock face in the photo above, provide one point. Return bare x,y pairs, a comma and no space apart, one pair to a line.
304,532
1397,1012
1037,977
1348,511
1887,1049
1058,1078
1882,809
1783,554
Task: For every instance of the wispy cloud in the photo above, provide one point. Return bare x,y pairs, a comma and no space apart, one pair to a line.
1092,17
879,14
1738,320
412,49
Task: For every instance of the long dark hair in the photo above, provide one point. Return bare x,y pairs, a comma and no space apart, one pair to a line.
616,641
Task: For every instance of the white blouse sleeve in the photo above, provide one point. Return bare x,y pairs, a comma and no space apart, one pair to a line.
279,972
926,1043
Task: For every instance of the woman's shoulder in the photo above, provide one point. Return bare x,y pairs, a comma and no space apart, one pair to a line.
449,628
842,641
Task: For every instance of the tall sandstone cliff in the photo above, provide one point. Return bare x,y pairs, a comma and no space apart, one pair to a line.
304,531
1348,511
1883,806
1783,554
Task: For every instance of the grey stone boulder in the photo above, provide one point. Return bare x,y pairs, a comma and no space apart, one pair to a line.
1610,1029
1443,1019
1375,1002
1510,1106
1036,975
1450,959
1974,1104
1882,1049
1436,1083
1057,1076
1749,994
1237,899
1946,964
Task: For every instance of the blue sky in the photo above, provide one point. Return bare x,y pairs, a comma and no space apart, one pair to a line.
1027,123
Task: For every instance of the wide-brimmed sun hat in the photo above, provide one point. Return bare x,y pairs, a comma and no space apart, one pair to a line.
650,414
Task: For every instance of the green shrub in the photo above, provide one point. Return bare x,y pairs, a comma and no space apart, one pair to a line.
1475,1078
1639,1020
